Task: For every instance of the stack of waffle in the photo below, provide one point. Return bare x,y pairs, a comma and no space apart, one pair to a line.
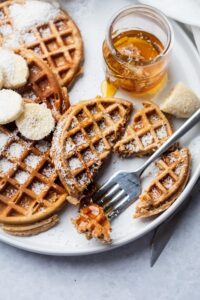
38,178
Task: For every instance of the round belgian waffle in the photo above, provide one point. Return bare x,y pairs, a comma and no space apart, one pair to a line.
84,138
43,87
30,189
31,229
149,130
173,174
58,41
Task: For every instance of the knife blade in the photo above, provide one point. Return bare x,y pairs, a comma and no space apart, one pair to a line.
164,232
196,35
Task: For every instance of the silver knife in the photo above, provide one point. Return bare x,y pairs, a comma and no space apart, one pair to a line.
164,232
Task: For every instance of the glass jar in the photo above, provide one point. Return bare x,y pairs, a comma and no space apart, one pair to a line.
137,49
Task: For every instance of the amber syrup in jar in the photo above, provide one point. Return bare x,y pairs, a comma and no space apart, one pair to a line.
135,66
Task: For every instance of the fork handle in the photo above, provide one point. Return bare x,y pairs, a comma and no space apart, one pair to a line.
193,120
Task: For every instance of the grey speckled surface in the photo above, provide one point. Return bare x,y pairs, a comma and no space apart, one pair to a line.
124,273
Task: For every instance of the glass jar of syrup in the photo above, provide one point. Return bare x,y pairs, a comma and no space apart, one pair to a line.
137,49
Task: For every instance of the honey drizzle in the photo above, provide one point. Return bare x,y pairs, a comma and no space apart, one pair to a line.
133,67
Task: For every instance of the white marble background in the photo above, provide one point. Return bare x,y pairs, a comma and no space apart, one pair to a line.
124,273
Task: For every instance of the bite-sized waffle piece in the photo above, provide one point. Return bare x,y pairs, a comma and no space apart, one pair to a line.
43,86
31,229
150,129
93,222
56,39
84,138
30,189
173,174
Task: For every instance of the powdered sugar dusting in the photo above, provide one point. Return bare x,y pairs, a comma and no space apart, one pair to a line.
74,163
16,150
2,16
32,160
161,132
83,179
100,146
43,146
3,139
147,139
5,165
32,13
132,146
45,32
47,171
154,118
178,169
79,139
168,182
69,146
5,29
21,176
24,16
37,187
88,155
29,37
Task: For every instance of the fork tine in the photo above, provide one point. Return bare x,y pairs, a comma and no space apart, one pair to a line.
109,205
108,196
103,189
120,207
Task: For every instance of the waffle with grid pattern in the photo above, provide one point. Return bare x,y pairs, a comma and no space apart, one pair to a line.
150,129
31,229
42,86
173,174
93,222
84,138
58,42
30,189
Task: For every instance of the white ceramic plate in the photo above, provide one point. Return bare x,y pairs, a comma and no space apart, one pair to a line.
92,18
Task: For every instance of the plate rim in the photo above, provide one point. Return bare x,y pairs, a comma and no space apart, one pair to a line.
10,240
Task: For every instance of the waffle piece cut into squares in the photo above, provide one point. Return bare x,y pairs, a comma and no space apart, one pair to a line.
30,189
43,86
81,143
149,130
172,176
56,39
93,222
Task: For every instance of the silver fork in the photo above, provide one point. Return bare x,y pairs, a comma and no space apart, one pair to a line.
123,188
